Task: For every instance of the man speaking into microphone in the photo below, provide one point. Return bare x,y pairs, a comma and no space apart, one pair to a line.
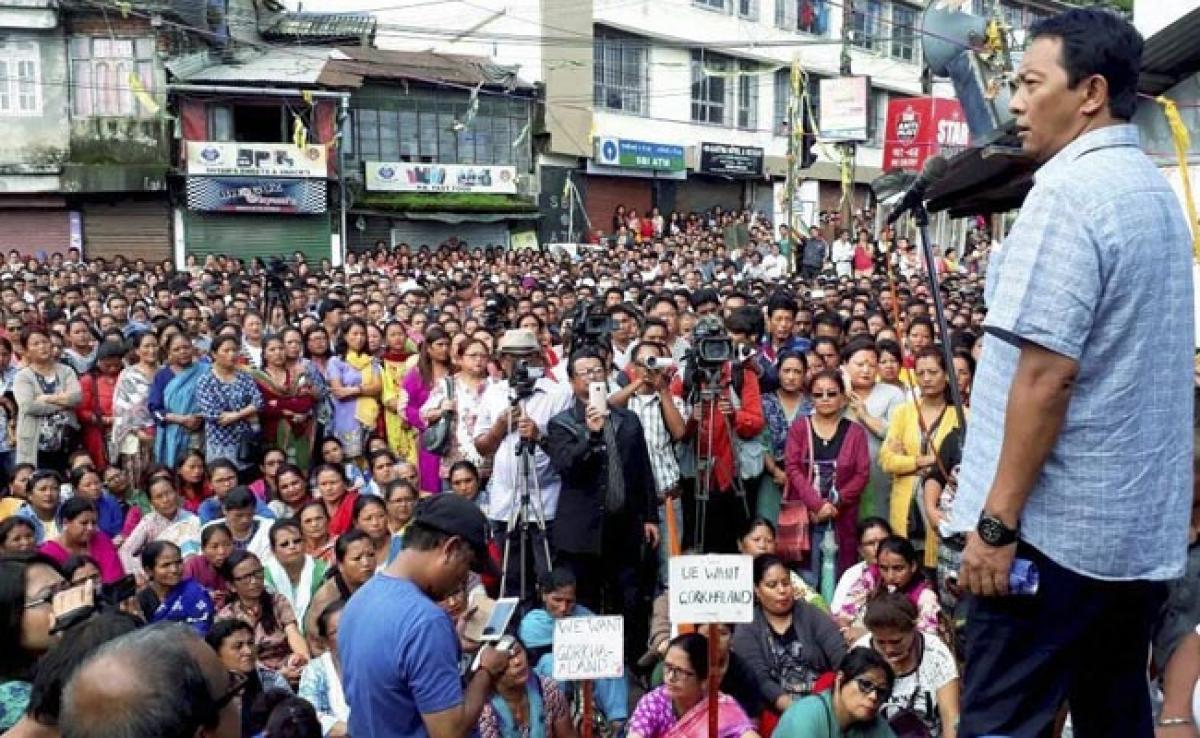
1079,455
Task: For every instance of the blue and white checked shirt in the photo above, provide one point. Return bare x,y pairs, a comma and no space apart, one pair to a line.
1098,268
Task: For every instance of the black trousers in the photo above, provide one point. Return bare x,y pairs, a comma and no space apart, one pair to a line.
1079,640
616,583
725,515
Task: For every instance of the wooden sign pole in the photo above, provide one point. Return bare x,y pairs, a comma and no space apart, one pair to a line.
587,708
673,539
714,685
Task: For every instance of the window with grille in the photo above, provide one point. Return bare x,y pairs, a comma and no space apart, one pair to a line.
804,16
868,19
102,75
783,90
1014,16
719,5
427,128
783,87
620,74
877,102
711,88
748,9
747,101
904,32
20,78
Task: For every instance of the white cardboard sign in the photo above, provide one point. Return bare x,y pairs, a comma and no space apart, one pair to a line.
711,588
589,648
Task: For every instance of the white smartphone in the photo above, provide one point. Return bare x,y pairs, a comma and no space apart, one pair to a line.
598,396
502,614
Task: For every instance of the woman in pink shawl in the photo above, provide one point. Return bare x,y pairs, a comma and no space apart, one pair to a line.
679,708
432,367
79,534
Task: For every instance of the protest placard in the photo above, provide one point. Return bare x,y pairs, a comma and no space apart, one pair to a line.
589,648
711,589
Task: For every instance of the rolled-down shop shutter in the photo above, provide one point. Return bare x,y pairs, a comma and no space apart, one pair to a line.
254,234
135,230
418,233
604,194
701,193
32,230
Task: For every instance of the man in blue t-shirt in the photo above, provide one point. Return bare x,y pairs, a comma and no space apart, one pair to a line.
399,650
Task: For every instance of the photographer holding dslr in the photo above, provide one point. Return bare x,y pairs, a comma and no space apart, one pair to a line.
512,420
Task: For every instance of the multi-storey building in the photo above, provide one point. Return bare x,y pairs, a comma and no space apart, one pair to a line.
659,80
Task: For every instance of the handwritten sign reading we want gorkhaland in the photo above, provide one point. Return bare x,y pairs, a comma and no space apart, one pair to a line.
589,648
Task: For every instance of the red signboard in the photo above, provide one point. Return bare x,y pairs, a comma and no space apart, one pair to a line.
919,127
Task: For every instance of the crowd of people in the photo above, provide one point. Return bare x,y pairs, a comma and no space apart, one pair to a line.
285,500
247,474
249,453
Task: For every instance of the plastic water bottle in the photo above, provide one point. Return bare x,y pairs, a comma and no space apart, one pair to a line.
828,564
1023,577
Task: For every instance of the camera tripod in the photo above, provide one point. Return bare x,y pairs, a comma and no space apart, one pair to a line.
526,515
705,396
275,293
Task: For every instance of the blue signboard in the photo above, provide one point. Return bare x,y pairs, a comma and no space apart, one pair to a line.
624,152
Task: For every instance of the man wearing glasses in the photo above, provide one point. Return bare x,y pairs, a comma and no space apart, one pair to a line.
609,502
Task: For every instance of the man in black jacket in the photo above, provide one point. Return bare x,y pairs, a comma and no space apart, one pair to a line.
608,504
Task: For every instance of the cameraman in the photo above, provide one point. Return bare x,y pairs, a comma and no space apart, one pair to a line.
721,402
664,423
510,412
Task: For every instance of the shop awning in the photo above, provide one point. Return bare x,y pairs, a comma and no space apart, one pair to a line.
415,204
448,217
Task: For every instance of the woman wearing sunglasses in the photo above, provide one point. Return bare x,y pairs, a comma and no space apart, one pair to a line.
851,709
828,466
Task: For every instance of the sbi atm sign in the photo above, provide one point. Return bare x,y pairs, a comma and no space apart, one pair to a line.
919,127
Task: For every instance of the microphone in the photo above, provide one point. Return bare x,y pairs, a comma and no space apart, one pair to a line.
934,169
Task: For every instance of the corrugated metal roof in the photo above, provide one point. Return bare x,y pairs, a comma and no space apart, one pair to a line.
421,66
322,26
1170,55
291,65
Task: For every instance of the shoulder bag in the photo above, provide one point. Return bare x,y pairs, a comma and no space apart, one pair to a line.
793,540
436,438
903,719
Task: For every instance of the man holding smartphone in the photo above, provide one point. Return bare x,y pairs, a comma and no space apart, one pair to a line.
608,497
400,672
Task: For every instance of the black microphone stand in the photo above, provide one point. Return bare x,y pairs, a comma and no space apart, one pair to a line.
921,216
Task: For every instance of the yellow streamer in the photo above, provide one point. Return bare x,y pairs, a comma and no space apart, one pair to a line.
143,97
299,132
1179,136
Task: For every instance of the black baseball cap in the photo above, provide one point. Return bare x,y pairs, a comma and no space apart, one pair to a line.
458,516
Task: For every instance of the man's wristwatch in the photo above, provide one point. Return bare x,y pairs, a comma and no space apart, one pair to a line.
994,532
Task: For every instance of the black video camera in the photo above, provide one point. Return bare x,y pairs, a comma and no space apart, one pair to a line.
523,379
591,327
494,318
712,349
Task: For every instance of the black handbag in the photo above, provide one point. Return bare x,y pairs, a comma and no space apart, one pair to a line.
436,438
250,446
